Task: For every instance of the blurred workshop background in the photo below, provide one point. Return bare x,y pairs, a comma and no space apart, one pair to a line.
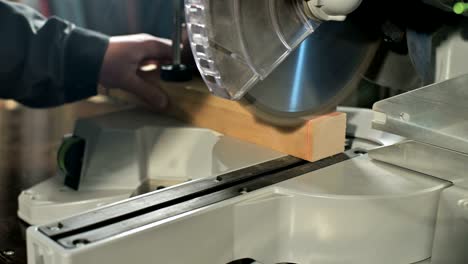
29,138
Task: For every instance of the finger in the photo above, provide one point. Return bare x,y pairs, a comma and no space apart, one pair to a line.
157,48
152,94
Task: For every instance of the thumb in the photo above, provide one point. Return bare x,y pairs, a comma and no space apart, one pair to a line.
151,94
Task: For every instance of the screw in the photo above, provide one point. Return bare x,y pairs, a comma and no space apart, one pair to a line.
243,190
360,152
80,242
405,117
56,228
463,203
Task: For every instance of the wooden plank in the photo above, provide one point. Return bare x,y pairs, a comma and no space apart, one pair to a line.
316,138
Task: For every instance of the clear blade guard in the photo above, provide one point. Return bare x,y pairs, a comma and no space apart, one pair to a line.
236,43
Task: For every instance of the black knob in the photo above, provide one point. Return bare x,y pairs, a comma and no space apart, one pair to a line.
70,160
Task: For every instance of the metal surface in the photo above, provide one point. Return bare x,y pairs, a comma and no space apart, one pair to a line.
164,198
177,34
318,75
435,115
354,199
438,162
359,127
451,235
103,223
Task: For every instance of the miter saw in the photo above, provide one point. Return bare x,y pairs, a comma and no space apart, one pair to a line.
234,202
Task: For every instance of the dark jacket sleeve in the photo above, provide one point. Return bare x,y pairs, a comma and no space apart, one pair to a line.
46,63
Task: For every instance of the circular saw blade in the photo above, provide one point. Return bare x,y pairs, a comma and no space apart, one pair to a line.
316,77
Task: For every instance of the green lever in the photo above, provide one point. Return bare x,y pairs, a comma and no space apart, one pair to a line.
460,8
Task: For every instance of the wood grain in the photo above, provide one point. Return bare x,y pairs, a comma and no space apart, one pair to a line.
314,139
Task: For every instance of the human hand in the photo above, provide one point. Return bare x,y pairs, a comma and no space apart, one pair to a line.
124,58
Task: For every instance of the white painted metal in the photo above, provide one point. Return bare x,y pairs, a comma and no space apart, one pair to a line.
125,149
332,10
451,52
358,211
451,233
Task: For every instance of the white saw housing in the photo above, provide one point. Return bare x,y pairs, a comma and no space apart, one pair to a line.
331,10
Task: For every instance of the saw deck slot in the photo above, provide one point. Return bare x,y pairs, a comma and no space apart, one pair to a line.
162,198
153,207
